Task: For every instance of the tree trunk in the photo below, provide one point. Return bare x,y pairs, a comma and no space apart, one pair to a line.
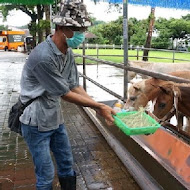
149,37
33,29
40,11
47,13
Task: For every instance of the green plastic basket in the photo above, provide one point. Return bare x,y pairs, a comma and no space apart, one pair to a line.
154,125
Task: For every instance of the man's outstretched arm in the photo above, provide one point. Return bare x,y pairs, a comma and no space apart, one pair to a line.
80,97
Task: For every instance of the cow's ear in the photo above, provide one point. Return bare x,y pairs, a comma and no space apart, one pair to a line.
136,86
165,90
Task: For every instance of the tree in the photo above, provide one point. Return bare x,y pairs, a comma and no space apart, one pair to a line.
2,27
35,12
133,25
137,31
149,36
112,32
179,28
97,30
187,17
108,33
139,38
162,41
47,24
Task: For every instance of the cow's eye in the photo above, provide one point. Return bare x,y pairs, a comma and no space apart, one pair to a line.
162,105
133,98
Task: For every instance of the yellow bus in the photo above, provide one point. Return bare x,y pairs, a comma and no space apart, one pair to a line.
11,40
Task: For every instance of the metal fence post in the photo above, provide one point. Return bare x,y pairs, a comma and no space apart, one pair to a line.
97,51
173,56
84,66
137,53
125,46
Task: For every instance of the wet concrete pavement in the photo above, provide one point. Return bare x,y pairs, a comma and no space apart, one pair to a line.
108,76
97,166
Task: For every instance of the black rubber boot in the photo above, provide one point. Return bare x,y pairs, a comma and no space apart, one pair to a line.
68,183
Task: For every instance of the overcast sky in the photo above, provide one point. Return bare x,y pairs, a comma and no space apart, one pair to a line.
100,12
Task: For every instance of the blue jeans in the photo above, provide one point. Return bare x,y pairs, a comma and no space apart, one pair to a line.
40,144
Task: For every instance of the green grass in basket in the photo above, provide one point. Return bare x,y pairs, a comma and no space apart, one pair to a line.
137,120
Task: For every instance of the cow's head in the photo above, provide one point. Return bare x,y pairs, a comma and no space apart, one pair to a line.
136,96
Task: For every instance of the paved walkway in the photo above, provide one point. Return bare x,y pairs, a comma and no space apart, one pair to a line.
97,166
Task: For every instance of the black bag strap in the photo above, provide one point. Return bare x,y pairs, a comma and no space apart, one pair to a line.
28,103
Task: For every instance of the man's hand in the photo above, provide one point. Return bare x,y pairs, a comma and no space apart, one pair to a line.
106,112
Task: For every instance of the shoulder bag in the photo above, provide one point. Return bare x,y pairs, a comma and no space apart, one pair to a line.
14,114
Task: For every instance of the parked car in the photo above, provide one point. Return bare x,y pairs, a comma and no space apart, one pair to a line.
182,48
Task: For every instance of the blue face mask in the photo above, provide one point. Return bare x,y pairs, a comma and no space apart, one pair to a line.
76,40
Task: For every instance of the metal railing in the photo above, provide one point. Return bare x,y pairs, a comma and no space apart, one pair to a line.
138,50
127,68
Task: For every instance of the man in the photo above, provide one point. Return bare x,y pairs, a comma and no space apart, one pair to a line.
50,75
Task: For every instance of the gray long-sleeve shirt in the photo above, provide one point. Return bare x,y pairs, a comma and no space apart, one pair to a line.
47,74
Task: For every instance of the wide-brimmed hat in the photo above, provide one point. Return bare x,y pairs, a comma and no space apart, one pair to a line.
72,13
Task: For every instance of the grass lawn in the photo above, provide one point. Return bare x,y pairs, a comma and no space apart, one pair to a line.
110,52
